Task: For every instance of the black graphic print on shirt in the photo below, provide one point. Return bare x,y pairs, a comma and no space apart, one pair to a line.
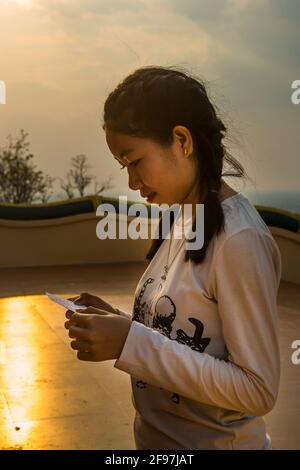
195,342
165,314
141,309
162,321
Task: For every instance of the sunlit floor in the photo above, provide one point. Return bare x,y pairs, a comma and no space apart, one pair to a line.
50,400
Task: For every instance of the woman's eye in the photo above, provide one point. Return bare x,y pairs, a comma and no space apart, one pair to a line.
132,163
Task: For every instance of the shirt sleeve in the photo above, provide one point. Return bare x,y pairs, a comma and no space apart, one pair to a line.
245,279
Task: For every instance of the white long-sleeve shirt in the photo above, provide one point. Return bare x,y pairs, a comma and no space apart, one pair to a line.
202,349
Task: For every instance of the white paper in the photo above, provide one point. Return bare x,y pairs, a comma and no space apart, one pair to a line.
68,304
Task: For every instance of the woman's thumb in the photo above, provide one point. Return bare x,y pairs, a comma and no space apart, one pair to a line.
95,310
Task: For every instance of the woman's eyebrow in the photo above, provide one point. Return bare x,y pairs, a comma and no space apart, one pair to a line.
125,161
122,155
125,152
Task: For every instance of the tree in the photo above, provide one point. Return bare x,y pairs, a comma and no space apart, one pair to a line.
20,181
106,185
67,187
79,178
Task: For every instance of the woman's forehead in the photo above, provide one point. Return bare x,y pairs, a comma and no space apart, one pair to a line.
119,144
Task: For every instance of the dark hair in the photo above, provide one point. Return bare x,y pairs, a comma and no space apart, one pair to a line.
149,103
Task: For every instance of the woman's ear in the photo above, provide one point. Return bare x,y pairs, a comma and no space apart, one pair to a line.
183,137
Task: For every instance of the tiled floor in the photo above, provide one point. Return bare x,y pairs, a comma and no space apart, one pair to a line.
50,400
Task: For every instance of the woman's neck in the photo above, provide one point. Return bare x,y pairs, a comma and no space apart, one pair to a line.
225,192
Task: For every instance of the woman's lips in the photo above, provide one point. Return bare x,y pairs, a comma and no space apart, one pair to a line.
151,197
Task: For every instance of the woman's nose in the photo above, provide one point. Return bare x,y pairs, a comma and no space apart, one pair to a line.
134,182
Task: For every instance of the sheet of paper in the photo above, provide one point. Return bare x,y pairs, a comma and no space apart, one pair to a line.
67,304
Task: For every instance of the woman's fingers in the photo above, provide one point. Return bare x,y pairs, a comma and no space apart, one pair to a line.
73,299
78,320
81,299
86,356
84,352
79,333
93,310
69,314
80,345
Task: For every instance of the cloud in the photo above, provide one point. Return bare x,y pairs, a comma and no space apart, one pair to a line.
266,29
62,58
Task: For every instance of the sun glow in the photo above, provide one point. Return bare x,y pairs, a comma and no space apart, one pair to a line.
18,394
24,3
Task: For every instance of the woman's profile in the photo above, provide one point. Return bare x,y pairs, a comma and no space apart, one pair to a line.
201,344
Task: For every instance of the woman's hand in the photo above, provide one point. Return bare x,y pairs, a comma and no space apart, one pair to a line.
98,336
90,300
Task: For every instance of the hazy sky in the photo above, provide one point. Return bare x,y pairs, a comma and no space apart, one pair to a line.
61,58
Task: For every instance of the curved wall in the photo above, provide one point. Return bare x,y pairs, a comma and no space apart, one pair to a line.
67,238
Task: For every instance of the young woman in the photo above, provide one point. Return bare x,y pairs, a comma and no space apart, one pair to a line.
201,346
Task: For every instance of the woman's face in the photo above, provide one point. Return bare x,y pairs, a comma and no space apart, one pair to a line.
168,175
